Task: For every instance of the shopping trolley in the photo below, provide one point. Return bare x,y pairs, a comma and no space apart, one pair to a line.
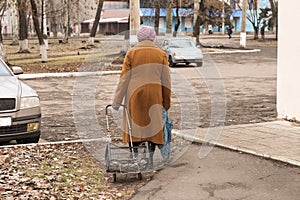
121,158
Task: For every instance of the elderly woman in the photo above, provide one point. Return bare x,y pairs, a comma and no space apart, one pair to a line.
145,88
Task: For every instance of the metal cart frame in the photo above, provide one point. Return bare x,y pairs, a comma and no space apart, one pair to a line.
122,159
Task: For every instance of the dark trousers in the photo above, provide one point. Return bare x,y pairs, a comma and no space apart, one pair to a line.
136,144
136,150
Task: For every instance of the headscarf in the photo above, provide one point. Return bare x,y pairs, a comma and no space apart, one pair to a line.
146,33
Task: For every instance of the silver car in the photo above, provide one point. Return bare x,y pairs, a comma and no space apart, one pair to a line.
182,50
20,113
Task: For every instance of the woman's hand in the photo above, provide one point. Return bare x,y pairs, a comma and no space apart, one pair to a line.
115,106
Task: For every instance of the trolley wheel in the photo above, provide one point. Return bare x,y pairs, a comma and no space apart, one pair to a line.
140,177
114,178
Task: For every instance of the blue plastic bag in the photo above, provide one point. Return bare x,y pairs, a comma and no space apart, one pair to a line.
167,123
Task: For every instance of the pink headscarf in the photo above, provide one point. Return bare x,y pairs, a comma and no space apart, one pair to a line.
146,33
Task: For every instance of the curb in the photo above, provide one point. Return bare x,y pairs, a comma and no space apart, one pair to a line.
233,51
67,74
234,148
58,142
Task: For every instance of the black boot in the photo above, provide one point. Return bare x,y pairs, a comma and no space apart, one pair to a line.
151,146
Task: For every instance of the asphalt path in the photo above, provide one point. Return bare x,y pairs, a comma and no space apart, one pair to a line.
222,175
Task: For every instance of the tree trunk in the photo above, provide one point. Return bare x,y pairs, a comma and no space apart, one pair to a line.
2,52
274,8
2,49
256,33
23,28
196,28
66,18
15,17
44,24
53,19
95,24
157,15
135,18
178,20
196,31
43,49
169,16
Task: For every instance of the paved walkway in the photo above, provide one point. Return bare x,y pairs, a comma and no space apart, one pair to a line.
277,140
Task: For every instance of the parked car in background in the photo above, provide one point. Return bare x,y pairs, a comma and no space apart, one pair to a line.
182,50
20,113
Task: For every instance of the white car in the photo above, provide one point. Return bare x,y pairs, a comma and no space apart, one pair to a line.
182,50
20,113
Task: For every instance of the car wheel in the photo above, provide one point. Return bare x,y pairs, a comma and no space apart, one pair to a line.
199,64
171,64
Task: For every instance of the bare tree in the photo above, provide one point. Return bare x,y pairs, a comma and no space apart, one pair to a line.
169,16
3,6
253,16
199,20
53,17
157,16
95,24
43,49
210,12
177,18
274,19
15,19
23,26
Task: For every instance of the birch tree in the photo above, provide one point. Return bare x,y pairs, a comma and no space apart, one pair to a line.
91,40
15,19
3,6
253,16
169,16
157,16
177,19
23,26
38,31
274,19
198,21
66,21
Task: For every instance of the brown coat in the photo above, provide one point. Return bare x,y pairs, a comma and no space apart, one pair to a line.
145,83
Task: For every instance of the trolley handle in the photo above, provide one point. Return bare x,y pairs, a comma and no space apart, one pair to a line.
110,105
127,119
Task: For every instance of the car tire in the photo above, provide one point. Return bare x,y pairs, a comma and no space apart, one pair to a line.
171,64
199,64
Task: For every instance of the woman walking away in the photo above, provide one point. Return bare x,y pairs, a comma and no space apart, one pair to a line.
145,89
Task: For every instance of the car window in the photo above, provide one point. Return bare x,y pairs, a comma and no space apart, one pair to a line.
181,43
3,70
